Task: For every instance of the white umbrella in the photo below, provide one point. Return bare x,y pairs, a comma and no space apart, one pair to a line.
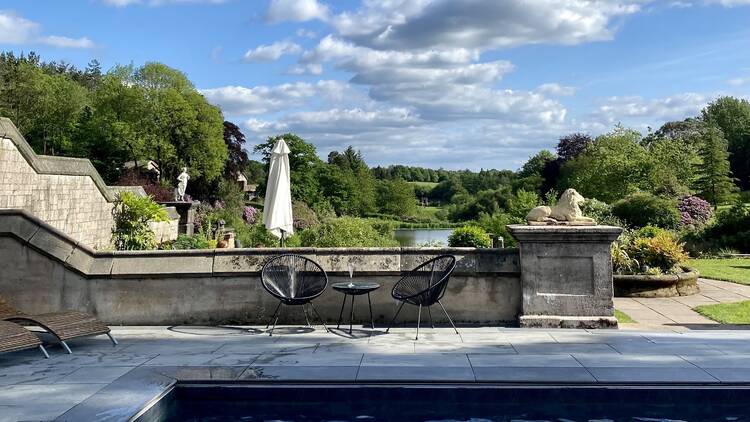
277,210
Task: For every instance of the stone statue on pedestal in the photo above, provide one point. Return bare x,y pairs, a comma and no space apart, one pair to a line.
566,212
182,181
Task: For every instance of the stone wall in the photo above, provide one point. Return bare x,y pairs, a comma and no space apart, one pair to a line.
66,193
50,272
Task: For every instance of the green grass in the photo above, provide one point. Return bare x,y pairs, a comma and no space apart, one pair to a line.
727,313
736,270
426,185
623,318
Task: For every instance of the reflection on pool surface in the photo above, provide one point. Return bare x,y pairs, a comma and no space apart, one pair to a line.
242,402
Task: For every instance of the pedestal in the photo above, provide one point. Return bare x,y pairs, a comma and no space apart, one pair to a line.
566,276
187,215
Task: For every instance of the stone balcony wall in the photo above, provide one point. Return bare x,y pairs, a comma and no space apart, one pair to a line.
50,271
66,193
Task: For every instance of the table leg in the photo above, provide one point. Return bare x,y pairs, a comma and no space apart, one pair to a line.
341,314
372,320
351,316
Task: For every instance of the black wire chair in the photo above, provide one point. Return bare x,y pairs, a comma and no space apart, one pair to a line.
425,286
295,281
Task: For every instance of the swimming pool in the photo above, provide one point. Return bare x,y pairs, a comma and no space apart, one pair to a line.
475,403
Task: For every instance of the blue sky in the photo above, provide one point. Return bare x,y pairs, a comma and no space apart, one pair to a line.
439,83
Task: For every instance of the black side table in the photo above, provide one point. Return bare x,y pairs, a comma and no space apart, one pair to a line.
355,288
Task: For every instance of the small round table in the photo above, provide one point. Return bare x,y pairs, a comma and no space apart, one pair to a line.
355,288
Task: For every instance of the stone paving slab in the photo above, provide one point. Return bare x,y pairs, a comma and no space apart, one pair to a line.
34,388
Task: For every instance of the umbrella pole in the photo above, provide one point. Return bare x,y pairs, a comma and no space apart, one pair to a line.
281,241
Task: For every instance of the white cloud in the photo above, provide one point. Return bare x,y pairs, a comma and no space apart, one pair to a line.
239,100
481,23
125,3
653,111
18,30
296,10
738,81
305,33
269,53
555,89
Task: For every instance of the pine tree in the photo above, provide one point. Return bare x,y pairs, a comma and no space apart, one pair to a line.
715,182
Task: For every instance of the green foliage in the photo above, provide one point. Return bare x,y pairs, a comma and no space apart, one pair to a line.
650,250
714,183
346,232
190,242
601,212
497,224
304,216
730,229
470,236
303,163
644,209
521,203
618,164
396,197
132,215
732,116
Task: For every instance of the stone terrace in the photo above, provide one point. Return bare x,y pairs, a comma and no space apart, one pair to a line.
100,377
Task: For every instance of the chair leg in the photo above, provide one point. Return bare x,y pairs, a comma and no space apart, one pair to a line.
419,319
65,346
273,315
278,312
449,317
46,355
429,312
394,317
114,342
307,321
319,317
351,315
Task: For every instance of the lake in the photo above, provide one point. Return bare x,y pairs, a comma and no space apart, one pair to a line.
415,237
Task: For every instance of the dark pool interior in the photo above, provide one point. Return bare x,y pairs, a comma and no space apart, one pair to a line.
202,402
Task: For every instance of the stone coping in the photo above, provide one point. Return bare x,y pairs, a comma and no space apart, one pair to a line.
45,164
687,274
564,234
34,233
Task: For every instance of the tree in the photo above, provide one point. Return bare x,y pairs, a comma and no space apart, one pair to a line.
237,161
714,183
303,162
535,165
732,116
615,166
397,197
573,145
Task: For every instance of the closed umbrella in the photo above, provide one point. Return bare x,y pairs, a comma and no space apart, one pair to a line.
277,210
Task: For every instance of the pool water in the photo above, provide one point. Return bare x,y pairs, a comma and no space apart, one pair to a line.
242,402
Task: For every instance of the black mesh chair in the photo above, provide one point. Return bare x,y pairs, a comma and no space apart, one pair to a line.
294,280
425,286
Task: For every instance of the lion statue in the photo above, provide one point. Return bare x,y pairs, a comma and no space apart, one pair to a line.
567,211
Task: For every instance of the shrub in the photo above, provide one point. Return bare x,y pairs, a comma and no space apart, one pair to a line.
601,212
304,216
694,211
346,232
132,215
661,251
257,236
470,236
497,224
250,214
730,229
644,209
650,250
190,242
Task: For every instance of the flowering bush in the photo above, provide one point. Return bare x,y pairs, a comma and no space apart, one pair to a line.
250,214
219,204
694,211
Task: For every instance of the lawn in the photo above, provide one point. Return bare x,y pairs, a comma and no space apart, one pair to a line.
736,270
426,185
623,318
727,313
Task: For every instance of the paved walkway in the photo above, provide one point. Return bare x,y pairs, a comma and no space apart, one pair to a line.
676,313
98,376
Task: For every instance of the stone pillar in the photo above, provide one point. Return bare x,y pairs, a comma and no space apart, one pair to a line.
566,276
186,210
